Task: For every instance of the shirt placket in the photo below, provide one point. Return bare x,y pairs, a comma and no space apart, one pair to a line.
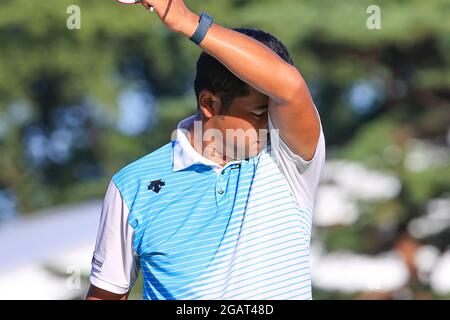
226,184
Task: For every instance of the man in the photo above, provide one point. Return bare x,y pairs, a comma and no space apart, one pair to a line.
212,215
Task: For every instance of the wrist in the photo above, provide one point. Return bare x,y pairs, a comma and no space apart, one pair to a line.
190,25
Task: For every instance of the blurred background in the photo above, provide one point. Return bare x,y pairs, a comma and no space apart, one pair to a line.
76,105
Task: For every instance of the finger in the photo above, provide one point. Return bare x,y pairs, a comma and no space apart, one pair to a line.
146,4
148,7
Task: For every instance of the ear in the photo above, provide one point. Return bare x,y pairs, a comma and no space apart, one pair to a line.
210,104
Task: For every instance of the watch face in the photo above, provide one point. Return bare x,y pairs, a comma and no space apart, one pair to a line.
130,1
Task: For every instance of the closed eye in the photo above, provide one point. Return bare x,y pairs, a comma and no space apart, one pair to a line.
261,110
259,114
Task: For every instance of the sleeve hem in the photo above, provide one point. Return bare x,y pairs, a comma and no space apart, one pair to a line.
105,285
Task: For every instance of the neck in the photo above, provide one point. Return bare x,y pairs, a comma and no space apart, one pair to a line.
205,148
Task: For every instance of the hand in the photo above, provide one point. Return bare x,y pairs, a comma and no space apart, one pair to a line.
174,14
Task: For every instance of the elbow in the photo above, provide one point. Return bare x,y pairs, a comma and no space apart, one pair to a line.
295,88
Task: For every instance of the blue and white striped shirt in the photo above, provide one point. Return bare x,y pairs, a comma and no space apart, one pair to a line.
238,232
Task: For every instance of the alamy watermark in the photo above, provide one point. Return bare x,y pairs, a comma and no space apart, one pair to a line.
374,20
73,22
73,281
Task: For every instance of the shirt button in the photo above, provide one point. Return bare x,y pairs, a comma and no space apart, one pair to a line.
220,191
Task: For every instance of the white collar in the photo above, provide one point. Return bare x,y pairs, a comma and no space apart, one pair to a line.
184,154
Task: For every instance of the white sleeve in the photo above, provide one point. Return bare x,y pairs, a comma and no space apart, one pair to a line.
302,176
114,265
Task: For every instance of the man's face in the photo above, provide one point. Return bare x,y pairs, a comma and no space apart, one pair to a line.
244,125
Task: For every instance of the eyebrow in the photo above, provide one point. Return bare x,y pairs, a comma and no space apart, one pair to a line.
266,106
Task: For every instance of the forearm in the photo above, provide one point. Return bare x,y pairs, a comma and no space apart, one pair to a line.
249,60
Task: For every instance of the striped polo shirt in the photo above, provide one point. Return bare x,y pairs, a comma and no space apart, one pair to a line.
198,230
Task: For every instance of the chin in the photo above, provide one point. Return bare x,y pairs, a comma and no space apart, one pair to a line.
247,152
254,150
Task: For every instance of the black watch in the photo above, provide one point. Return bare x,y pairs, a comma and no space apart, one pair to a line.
205,23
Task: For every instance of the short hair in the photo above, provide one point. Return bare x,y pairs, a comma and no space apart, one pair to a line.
212,75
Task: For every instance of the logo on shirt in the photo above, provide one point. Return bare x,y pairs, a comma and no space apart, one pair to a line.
97,263
156,185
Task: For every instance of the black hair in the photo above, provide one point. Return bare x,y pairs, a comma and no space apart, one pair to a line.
212,75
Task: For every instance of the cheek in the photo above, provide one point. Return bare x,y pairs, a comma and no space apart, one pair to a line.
246,124
257,126
250,127
241,123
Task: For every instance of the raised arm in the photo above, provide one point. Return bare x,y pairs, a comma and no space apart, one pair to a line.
291,108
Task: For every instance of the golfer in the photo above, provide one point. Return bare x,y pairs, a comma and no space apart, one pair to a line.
224,210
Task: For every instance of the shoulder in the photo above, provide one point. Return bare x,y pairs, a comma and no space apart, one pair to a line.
130,177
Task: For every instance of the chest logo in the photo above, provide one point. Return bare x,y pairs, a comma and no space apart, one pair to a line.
156,185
